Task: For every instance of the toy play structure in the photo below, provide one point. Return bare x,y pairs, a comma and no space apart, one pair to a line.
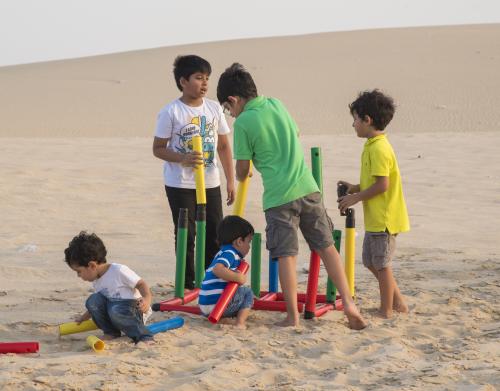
311,303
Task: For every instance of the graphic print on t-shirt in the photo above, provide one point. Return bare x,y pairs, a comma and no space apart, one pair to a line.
198,126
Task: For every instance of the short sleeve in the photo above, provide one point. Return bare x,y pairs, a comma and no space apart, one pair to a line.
380,161
223,126
128,276
164,124
242,149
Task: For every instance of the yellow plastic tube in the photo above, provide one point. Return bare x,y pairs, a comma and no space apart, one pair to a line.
350,235
95,343
73,327
199,173
241,196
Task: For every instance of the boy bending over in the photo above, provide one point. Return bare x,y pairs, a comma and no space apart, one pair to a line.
121,300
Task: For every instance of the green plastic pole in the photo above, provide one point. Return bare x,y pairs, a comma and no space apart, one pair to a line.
255,264
331,290
180,268
201,233
317,169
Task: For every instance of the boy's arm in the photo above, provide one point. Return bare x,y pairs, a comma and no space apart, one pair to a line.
81,318
161,151
227,274
145,301
226,159
380,186
242,169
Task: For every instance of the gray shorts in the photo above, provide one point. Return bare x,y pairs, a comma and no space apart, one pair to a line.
378,249
283,222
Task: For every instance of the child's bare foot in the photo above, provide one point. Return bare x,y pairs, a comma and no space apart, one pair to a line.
386,314
230,321
288,322
108,337
356,321
240,326
400,307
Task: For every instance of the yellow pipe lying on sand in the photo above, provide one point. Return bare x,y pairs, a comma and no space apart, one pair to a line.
73,327
95,343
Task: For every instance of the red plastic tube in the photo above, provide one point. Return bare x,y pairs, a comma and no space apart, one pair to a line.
191,295
312,285
271,296
264,305
322,309
192,309
19,347
301,297
226,296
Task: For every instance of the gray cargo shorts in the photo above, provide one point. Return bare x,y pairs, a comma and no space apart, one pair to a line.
307,213
378,249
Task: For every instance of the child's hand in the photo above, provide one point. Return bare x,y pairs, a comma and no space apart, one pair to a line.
82,318
192,159
350,187
143,304
347,201
241,278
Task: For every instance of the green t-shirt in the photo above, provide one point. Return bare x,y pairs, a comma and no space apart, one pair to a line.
386,210
266,134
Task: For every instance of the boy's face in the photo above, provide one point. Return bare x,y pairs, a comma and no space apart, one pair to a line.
361,126
196,86
243,244
86,273
234,105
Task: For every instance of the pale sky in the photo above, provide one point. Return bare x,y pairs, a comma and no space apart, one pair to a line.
42,30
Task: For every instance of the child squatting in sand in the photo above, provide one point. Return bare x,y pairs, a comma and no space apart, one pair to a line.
234,234
381,192
121,300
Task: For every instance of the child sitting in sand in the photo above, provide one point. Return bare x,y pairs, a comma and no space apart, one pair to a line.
234,235
122,299
381,192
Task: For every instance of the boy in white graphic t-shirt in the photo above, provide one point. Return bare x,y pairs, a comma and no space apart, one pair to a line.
193,114
122,299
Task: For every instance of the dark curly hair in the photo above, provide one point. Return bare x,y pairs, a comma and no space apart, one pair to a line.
232,228
374,104
185,66
236,81
84,248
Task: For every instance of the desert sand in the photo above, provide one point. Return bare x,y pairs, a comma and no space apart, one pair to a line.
75,154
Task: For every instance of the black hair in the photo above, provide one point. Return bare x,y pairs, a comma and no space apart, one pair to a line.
379,107
236,81
185,66
232,228
84,248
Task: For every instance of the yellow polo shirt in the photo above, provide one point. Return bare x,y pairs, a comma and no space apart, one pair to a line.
386,211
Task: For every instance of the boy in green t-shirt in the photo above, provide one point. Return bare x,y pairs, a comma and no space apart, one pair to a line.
266,134
381,191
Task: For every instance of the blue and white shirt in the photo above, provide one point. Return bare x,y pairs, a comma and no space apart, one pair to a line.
213,286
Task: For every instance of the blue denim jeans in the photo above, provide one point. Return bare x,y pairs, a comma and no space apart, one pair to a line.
114,316
243,298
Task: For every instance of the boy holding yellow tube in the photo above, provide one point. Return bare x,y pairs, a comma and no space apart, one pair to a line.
381,192
122,299
178,122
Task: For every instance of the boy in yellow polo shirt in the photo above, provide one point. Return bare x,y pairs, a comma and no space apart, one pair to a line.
381,191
